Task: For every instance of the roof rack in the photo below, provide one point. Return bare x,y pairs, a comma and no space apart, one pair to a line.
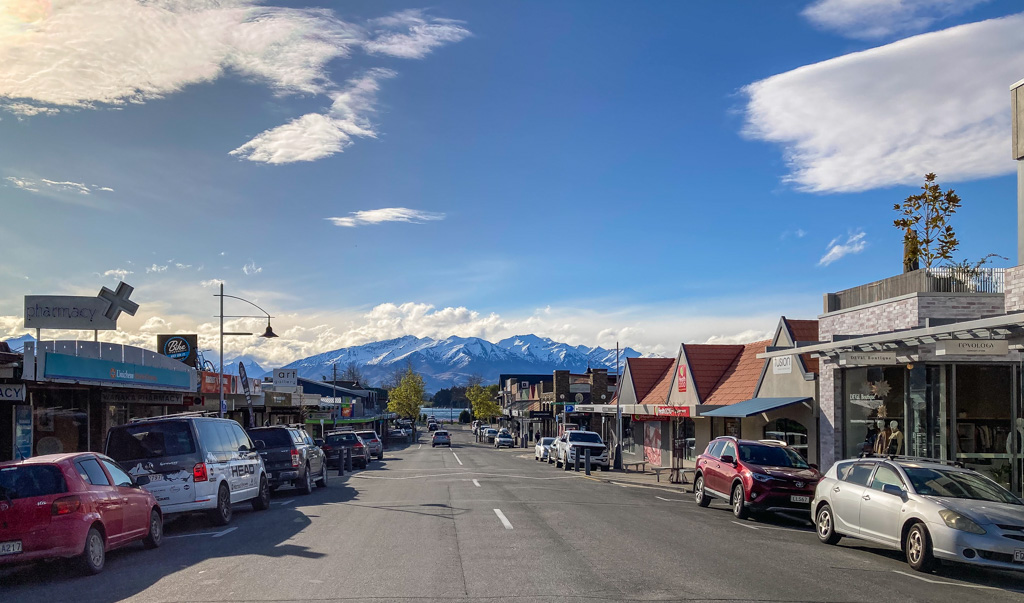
903,457
776,442
180,415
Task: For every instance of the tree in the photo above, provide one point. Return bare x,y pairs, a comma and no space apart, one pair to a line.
483,401
443,398
927,237
465,417
474,379
352,373
406,399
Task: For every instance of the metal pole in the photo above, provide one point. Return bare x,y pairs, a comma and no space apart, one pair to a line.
220,408
587,468
618,412
576,461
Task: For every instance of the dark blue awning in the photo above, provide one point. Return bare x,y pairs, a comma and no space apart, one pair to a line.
754,406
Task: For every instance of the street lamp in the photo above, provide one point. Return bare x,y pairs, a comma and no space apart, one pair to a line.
269,333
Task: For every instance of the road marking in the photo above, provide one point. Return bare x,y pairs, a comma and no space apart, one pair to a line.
456,457
671,499
284,502
944,583
419,447
227,531
504,520
770,528
476,483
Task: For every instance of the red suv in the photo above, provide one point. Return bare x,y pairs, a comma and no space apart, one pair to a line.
73,505
758,476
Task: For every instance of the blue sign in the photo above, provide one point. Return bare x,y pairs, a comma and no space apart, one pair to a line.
22,431
64,366
570,408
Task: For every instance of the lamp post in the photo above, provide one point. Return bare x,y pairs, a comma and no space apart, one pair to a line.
269,333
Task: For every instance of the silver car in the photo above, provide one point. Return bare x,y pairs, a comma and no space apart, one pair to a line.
928,510
372,441
542,450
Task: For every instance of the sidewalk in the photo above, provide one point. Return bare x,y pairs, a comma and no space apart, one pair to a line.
637,479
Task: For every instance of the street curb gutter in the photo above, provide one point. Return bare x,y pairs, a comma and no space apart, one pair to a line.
628,484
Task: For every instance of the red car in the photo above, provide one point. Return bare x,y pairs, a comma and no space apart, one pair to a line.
77,505
754,475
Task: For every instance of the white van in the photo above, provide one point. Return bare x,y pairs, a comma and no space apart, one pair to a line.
194,463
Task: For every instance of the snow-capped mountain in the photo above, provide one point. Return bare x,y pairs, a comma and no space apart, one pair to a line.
253,370
448,362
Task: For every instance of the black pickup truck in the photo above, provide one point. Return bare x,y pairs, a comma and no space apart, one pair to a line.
291,457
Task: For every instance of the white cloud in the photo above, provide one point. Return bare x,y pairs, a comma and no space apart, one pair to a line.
252,268
872,19
119,273
155,324
937,102
156,268
748,336
855,243
181,266
54,186
387,214
213,282
421,35
27,109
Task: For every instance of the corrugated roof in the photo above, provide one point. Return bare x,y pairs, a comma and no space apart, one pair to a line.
708,362
805,330
659,392
740,379
645,373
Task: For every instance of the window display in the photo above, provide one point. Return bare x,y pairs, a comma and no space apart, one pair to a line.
874,410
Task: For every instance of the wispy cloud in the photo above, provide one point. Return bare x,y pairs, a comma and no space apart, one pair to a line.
387,214
936,102
411,35
873,19
855,243
55,186
119,273
213,282
181,266
252,268
156,268
798,233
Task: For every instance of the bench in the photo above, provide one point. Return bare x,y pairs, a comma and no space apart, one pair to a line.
640,466
678,475
658,471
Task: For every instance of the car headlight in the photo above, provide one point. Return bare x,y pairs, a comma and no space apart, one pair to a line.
960,522
761,477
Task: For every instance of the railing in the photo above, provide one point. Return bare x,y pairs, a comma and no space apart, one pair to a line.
935,280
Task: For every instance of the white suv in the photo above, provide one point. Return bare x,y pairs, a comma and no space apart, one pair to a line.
574,442
193,463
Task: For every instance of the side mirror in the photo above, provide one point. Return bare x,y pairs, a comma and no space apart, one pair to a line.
259,444
319,442
142,480
892,489
728,459
814,466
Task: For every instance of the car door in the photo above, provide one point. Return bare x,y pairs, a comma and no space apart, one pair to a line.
316,456
109,502
880,511
712,466
727,471
136,504
847,495
247,464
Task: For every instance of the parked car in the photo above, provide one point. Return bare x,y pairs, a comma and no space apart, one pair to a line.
372,442
504,438
542,450
489,434
291,457
754,475
929,510
193,463
397,434
441,438
574,442
476,426
432,426
337,440
77,505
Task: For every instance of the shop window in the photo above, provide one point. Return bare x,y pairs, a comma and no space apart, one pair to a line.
61,423
732,427
683,440
874,403
984,398
789,431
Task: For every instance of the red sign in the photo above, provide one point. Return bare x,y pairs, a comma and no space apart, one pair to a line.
647,418
208,383
673,411
682,377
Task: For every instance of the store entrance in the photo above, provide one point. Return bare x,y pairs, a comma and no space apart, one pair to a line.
987,419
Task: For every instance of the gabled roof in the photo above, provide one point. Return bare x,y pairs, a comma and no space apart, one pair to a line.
708,362
659,391
804,330
740,380
646,373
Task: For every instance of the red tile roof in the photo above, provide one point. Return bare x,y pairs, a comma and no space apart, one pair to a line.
708,362
805,330
659,391
740,380
646,373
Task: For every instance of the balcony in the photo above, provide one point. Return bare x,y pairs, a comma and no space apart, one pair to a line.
934,280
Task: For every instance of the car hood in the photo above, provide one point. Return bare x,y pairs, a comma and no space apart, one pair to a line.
983,511
810,475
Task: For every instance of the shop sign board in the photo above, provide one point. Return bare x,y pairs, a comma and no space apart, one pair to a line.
286,377
867,358
22,431
208,383
673,411
98,313
973,347
64,366
579,388
782,365
541,414
178,347
12,392
157,398
647,418
681,380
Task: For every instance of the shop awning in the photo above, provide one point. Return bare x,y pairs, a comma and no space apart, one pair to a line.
754,406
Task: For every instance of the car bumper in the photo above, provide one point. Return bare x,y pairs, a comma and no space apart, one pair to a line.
59,539
276,478
775,502
989,550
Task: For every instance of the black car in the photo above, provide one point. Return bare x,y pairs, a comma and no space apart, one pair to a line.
337,440
291,457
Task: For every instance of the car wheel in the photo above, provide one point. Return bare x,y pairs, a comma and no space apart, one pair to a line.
604,467
558,461
380,455
262,500
94,555
551,459
702,498
222,514
306,485
738,508
322,482
156,530
825,525
919,549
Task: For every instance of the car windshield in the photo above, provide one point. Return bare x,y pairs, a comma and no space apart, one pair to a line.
492,432
771,456
951,483
150,440
547,441
273,438
27,481
367,435
341,439
584,437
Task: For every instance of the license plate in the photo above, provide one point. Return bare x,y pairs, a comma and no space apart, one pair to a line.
156,477
10,548
1018,555
800,499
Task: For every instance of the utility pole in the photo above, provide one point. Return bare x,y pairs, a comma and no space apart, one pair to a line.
334,383
220,382
618,412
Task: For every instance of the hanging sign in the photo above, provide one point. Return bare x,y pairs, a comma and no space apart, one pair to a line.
973,347
682,377
14,392
179,347
867,358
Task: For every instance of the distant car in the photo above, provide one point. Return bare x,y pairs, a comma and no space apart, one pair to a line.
576,442
372,441
75,506
476,426
397,434
432,426
542,450
928,510
489,434
336,441
441,438
504,438
291,458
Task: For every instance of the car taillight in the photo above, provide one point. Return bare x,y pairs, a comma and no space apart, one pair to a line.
66,505
327,447
295,458
358,445
199,473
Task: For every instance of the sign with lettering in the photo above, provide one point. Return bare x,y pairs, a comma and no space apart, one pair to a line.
681,381
78,368
98,313
12,392
782,365
129,397
286,377
867,358
248,395
973,347
673,411
22,431
179,347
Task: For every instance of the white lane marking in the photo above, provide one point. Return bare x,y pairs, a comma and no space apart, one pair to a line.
370,476
671,499
419,447
746,526
476,483
504,520
188,535
771,528
227,531
944,583
284,502
456,457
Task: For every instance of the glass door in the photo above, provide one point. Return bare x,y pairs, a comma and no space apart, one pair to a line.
986,402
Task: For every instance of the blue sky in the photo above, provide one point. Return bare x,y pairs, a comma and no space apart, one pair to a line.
589,171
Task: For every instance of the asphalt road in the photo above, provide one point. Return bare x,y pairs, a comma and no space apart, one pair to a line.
475,524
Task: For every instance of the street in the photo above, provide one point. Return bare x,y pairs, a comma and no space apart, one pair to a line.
474,523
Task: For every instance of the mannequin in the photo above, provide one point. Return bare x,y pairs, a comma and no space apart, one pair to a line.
895,439
1020,438
882,439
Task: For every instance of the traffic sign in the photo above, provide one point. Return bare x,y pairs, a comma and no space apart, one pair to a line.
570,408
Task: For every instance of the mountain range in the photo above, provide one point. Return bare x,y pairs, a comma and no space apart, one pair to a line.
451,361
